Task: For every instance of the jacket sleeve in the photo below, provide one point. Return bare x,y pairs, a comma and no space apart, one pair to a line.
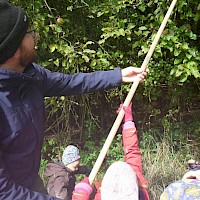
60,188
131,150
58,84
133,156
10,190
83,170
80,196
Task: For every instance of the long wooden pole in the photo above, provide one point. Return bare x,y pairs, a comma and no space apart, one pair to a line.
128,99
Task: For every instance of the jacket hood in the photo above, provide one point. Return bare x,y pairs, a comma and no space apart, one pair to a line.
56,169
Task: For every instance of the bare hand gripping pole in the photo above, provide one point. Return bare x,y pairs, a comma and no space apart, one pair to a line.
128,99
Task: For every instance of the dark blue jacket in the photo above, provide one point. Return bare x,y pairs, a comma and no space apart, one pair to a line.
22,117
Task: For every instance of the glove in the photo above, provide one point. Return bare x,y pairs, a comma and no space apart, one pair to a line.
128,112
82,190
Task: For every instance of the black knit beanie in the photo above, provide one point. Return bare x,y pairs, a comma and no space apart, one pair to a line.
13,26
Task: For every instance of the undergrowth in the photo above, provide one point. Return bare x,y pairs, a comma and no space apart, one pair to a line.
165,155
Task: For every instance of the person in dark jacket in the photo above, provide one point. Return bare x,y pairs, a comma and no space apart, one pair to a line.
62,174
23,86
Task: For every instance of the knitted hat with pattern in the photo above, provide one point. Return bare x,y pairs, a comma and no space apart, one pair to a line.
70,154
14,24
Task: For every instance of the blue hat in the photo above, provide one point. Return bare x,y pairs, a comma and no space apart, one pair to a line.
70,154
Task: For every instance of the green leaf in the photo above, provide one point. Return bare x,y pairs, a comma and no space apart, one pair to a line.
172,71
86,58
140,53
89,51
195,72
138,33
91,16
178,73
120,32
145,49
142,28
142,7
64,63
189,56
193,52
58,29
177,61
93,63
56,62
99,14
89,42
102,41
192,66
183,78
192,36
70,8
136,44
185,46
52,47
131,26
177,52
168,37
174,39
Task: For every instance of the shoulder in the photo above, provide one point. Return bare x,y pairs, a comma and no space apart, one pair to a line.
182,189
39,68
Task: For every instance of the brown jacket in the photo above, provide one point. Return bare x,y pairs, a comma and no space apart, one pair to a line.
62,180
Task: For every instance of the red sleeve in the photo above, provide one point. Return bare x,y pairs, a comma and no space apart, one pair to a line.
131,150
146,195
133,157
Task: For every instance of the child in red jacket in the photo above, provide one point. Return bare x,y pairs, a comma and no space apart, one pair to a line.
123,180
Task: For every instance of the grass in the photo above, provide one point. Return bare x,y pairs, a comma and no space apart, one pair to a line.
165,163
164,158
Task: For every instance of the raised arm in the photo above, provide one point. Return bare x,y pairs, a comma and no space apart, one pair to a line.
132,152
